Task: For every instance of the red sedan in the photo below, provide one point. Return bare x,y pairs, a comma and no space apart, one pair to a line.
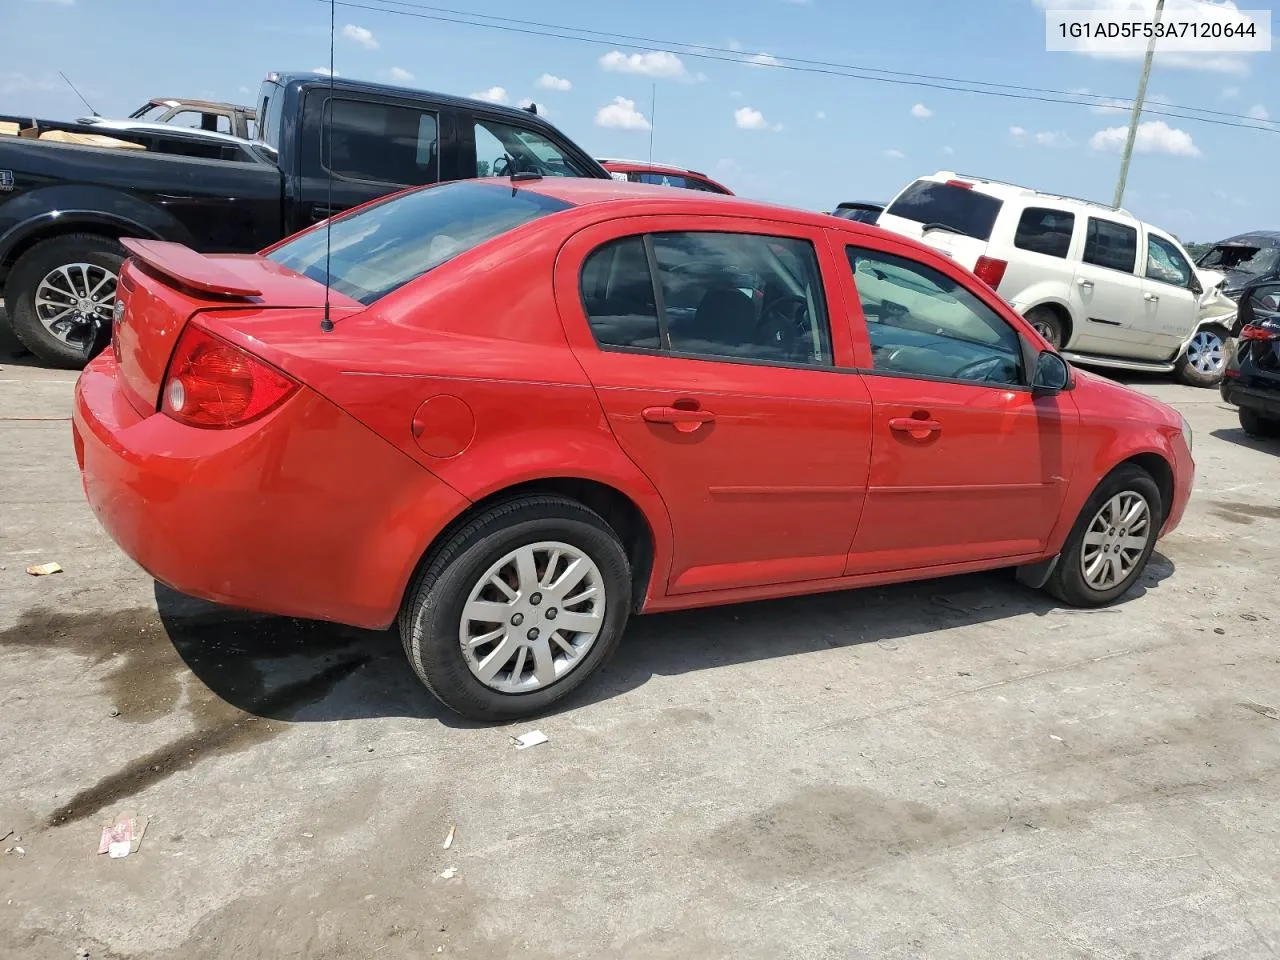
546,405
662,175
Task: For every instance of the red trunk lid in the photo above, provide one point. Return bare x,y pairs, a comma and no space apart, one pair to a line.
163,285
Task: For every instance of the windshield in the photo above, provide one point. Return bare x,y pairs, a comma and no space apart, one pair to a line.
391,243
1255,261
962,209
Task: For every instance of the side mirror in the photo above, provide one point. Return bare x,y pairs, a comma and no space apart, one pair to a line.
1052,374
1195,286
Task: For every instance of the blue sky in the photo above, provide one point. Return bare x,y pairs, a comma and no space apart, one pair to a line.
799,138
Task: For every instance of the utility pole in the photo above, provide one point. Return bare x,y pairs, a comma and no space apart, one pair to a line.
1137,111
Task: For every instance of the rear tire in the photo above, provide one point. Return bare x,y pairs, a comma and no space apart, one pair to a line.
1203,362
1048,324
462,577
94,262
1260,427
1095,533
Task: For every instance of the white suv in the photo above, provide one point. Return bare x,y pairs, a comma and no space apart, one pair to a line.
1102,286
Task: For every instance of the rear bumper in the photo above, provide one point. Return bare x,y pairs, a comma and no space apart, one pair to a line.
1265,402
304,513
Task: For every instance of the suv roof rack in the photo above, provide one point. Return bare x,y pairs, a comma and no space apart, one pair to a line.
1031,191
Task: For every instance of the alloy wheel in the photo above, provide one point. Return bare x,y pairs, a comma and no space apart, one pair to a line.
72,297
1115,540
1207,352
532,617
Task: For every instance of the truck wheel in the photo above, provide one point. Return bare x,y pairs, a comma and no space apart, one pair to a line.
1204,360
1263,428
1048,324
55,291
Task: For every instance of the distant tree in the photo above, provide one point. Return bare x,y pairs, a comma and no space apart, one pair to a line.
482,168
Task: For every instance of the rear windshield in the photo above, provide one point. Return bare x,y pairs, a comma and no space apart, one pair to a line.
389,244
964,210
1240,256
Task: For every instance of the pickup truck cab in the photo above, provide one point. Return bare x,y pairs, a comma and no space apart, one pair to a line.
1102,286
323,146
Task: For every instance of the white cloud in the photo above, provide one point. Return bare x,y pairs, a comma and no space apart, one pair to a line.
749,118
400,74
659,64
1154,136
1230,93
324,72
1017,132
948,151
764,60
360,35
492,95
1054,138
893,154
549,82
11,82
1259,112
244,89
621,115
735,94
820,115
921,111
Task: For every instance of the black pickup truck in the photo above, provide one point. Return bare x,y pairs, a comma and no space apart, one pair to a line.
64,206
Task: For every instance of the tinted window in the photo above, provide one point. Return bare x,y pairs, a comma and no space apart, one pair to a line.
388,244
380,142
1111,244
966,210
1166,263
742,296
858,214
617,295
662,180
503,149
1045,231
272,112
922,322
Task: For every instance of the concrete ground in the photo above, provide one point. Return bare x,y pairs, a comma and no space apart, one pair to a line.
954,769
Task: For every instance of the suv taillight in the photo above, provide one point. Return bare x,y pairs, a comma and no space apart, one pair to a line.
962,184
213,384
990,271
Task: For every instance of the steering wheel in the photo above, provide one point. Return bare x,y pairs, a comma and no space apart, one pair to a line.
784,321
979,369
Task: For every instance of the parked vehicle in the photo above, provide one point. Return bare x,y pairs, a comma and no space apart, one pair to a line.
1252,381
662,175
545,405
1106,288
207,115
1244,259
859,211
64,208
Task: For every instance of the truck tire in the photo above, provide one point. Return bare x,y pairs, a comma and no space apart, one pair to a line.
1204,360
54,287
1258,426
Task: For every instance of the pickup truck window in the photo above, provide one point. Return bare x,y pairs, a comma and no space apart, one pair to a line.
1112,245
502,149
381,142
390,243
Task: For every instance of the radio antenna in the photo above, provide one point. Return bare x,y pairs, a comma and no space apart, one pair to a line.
79,94
326,324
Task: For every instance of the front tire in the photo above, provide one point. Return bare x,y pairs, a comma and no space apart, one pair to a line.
53,290
1259,427
1203,362
518,608
1111,542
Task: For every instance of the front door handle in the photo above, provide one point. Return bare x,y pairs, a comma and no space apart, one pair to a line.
322,213
1151,298
918,429
1084,282
686,421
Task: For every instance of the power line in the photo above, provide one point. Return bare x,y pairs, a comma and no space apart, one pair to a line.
800,65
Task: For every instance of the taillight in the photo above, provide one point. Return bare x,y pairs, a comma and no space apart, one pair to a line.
962,184
1252,331
990,271
212,383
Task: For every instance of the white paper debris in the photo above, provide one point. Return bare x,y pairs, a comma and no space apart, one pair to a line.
448,841
530,739
449,873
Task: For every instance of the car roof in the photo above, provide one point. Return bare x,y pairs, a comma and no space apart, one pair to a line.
861,204
646,165
1011,191
1257,238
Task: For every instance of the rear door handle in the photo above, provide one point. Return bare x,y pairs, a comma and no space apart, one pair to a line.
918,429
1084,282
1151,298
686,421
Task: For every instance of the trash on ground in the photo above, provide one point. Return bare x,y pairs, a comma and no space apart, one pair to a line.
449,873
44,569
448,840
20,851
1054,736
530,739
122,835
308,835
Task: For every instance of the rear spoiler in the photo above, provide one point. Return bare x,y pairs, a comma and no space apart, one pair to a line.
188,268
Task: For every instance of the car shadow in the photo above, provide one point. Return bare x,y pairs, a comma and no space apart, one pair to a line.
345,673
13,353
1241,439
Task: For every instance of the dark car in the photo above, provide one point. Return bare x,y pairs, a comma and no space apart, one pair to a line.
1244,259
860,211
1251,380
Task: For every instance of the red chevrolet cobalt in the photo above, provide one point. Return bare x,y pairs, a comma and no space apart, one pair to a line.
544,406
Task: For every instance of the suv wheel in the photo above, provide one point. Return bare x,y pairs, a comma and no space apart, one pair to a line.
518,608
1264,428
1048,324
1205,359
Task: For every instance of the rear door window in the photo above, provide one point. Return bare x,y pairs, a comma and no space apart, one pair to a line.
380,142
1042,230
1110,244
962,209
